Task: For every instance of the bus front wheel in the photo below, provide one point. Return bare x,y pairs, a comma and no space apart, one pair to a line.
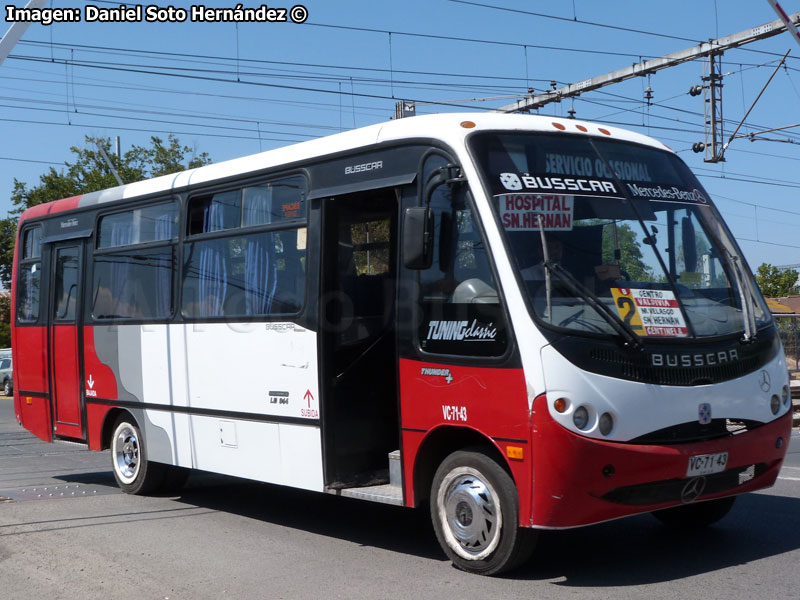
701,514
133,472
475,509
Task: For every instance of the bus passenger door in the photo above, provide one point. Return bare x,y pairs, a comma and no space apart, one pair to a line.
65,308
359,372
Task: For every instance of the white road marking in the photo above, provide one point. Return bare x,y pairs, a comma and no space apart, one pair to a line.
790,478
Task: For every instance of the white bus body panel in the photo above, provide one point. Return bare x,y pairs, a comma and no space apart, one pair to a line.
250,372
636,407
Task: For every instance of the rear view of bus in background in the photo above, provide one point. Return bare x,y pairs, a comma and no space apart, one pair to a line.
522,322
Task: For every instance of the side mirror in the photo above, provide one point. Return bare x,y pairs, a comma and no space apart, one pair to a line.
418,237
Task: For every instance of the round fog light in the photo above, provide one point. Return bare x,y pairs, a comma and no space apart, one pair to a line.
580,417
785,394
774,404
606,423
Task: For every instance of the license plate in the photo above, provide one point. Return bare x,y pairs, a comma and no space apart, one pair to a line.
706,464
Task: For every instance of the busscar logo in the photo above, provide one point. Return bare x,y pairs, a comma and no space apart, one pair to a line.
510,181
363,167
547,184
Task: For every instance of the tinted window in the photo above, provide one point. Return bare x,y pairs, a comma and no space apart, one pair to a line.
263,204
462,313
216,212
28,291
133,284
274,202
29,275
249,275
32,243
66,291
158,222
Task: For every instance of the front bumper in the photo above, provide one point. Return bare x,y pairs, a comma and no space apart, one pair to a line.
580,481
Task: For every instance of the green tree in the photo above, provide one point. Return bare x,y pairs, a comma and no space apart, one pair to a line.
630,255
5,321
774,282
89,173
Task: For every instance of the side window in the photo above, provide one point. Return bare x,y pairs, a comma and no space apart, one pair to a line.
263,204
66,282
461,310
246,273
131,281
29,276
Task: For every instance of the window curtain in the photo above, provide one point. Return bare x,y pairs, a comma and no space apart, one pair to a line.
164,230
212,284
120,273
261,269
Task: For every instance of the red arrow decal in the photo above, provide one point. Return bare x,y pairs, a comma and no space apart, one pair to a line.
308,396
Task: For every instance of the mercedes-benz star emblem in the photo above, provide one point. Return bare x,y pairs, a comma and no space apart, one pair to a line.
693,490
763,381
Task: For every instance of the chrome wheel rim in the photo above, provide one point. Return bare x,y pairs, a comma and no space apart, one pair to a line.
469,510
126,453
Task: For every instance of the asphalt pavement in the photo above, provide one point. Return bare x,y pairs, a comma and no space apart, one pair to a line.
67,532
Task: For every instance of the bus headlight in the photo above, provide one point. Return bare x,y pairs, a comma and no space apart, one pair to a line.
580,417
606,423
775,404
785,395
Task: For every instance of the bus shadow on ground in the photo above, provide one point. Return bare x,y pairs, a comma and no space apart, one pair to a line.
627,552
640,550
369,524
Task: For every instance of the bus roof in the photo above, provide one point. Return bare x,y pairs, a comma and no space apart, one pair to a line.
450,128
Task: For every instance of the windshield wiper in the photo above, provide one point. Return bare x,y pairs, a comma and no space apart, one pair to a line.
748,310
578,289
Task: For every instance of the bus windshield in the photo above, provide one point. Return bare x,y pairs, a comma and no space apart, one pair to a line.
599,224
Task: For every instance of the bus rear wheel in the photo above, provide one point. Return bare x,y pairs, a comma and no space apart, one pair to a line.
692,516
475,509
133,472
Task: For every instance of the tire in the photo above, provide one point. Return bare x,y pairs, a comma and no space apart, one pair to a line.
133,472
467,485
7,388
693,516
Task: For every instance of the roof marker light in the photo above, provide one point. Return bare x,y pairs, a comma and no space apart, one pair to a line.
467,124
604,131
581,128
559,126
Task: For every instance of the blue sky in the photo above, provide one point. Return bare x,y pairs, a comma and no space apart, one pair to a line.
234,89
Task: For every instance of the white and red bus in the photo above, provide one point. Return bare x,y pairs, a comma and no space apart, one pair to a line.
526,322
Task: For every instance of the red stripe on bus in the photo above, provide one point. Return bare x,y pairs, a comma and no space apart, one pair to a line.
490,401
49,208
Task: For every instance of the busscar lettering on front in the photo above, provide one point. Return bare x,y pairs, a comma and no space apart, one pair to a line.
707,359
